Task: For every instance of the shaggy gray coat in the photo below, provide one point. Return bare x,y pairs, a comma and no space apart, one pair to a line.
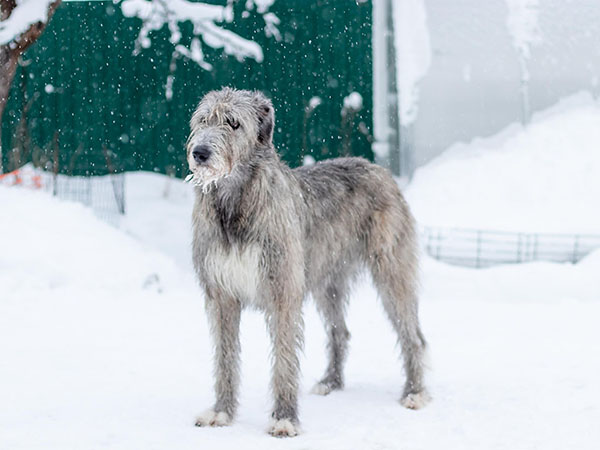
266,236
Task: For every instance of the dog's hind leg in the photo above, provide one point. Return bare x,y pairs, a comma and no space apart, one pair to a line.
331,303
393,262
224,316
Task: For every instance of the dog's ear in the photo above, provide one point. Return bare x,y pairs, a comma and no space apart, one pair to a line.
266,119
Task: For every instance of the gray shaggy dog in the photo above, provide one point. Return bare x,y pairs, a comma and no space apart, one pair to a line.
265,236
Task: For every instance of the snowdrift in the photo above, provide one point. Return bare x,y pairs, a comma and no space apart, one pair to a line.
541,178
98,354
48,244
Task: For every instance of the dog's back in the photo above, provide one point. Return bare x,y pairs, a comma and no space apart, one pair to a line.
346,198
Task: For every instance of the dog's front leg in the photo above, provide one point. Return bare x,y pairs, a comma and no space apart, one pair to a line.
224,316
285,326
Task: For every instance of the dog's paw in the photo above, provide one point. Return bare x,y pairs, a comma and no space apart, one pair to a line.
212,418
283,428
415,400
322,389
325,387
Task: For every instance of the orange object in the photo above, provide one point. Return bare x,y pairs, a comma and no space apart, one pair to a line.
17,178
37,181
15,174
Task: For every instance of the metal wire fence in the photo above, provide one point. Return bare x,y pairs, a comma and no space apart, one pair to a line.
483,248
105,195
459,246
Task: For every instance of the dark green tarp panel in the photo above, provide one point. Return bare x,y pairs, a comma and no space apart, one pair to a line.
82,98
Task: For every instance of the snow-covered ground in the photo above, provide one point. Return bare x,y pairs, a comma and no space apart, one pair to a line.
104,345
543,178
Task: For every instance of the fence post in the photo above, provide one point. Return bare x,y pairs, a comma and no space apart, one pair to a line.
576,249
385,96
428,240
478,258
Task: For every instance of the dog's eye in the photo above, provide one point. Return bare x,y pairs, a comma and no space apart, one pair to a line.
203,121
234,124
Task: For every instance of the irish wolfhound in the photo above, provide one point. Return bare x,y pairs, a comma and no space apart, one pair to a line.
265,236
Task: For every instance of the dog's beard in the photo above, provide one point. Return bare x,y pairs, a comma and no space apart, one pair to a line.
207,176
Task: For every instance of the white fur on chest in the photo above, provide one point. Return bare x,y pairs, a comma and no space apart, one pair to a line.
235,271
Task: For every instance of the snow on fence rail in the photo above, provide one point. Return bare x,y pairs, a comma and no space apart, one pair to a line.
105,195
483,248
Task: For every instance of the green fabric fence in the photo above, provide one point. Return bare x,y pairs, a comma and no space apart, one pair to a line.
83,103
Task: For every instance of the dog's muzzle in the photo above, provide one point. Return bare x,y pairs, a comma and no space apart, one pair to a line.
201,153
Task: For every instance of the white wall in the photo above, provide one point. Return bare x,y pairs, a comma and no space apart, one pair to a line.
472,86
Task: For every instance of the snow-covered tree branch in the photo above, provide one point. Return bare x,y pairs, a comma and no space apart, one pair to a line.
21,24
18,17
206,20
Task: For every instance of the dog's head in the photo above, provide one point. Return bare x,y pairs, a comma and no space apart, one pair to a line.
226,128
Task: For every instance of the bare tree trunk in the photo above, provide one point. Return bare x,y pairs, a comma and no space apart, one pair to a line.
9,54
8,67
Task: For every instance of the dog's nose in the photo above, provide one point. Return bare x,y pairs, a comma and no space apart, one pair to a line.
201,153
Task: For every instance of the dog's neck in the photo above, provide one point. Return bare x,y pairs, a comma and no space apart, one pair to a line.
233,199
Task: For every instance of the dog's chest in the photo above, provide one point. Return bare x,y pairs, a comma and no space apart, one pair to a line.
235,270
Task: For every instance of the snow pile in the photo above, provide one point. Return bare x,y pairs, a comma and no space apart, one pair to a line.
313,103
48,244
413,54
308,160
542,178
538,282
92,359
353,102
25,14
